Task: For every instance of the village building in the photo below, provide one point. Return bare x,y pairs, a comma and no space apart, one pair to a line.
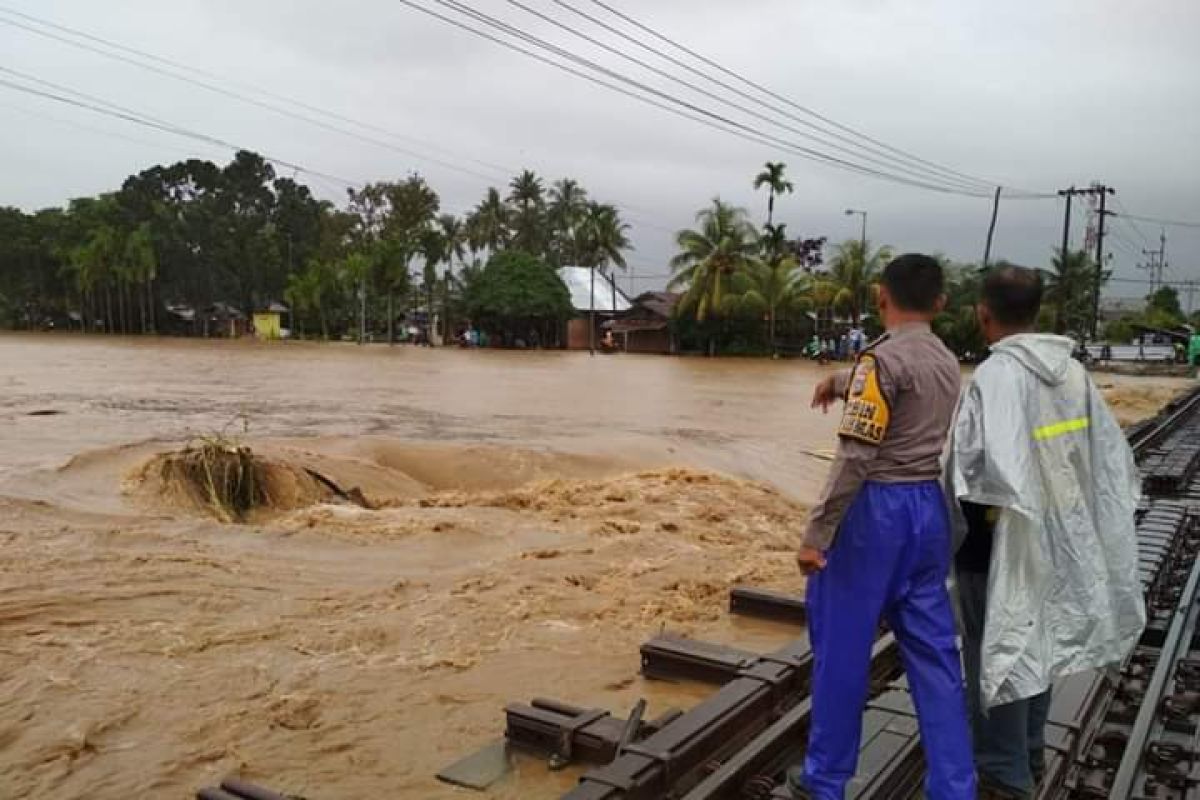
646,326
596,300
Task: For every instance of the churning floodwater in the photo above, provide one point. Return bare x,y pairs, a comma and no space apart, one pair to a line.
533,516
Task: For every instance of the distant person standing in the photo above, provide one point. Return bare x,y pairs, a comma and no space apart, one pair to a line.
877,545
857,340
1048,571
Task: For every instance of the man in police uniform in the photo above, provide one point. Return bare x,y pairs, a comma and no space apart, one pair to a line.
877,545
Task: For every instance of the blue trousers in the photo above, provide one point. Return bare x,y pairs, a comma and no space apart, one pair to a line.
890,560
1010,740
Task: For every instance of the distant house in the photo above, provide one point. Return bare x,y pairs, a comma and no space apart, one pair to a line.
593,303
268,321
223,319
646,326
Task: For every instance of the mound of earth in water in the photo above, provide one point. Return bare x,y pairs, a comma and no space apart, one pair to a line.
232,482
306,647
258,482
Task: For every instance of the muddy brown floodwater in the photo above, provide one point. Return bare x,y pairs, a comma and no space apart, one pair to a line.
534,517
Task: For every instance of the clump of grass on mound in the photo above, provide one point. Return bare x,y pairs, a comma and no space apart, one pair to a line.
222,475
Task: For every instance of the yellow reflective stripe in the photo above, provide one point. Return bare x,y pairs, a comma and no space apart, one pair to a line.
1060,428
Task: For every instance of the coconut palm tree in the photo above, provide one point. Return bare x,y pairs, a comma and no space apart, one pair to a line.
774,287
604,238
722,246
527,196
1069,286
774,241
488,224
772,177
855,269
565,215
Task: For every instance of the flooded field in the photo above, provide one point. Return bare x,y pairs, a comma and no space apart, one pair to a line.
532,517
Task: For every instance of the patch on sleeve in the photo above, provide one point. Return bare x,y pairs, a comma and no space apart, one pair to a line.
866,415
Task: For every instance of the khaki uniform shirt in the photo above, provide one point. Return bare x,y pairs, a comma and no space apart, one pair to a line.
900,400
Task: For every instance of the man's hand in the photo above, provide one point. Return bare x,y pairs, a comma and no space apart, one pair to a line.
825,394
810,560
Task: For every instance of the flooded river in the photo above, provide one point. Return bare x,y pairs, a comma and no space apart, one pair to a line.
534,517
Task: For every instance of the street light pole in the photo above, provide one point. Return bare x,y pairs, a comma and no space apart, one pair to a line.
863,238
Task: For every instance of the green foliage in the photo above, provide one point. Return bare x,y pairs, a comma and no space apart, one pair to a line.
1166,300
194,233
855,270
723,246
958,325
1120,331
516,288
773,178
1070,292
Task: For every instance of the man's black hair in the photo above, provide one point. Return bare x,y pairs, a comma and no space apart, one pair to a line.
914,281
1013,295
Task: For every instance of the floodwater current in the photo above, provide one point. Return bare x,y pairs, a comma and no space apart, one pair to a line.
535,516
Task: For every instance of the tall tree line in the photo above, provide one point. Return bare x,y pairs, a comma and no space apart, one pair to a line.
195,234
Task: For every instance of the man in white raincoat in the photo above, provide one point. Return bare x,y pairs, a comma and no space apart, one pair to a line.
1047,574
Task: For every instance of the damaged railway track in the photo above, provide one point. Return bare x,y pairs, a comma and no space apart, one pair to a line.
1135,734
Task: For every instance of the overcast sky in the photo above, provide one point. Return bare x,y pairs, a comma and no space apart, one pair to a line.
1028,93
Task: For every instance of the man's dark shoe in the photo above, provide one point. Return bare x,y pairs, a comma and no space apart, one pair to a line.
795,784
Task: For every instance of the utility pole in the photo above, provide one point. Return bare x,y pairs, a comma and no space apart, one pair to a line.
1103,192
1066,240
987,248
592,313
1157,262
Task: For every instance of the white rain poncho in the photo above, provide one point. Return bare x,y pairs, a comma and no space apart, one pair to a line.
1035,438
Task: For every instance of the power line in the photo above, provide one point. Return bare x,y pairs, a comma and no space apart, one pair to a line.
501,170
252,87
888,162
799,107
247,99
666,101
1160,221
104,108
81,126
928,166
1132,225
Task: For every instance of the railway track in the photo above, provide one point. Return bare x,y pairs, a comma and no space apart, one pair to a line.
1133,736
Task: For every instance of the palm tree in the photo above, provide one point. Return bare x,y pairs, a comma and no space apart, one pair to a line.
772,178
453,239
774,241
566,213
142,263
604,239
443,243
526,194
723,246
1069,287
304,293
772,287
855,270
487,225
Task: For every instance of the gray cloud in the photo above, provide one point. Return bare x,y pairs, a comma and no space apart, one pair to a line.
1032,94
